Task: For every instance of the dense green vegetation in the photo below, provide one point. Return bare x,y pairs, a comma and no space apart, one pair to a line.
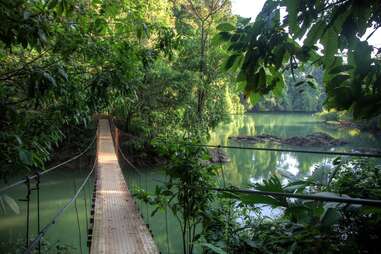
296,95
262,50
64,60
168,72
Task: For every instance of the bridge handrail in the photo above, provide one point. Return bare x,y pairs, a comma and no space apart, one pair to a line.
287,150
369,155
317,197
6,188
113,126
45,229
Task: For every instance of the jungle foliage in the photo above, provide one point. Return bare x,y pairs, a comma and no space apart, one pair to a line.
158,68
62,61
232,222
313,226
331,34
297,95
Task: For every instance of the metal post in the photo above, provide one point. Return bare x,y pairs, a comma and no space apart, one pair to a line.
38,208
27,199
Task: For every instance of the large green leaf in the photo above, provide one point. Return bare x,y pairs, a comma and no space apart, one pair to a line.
330,43
254,98
362,57
314,34
261,86
280,84
11,203
25,156
330,217
292,9
100,25
338,80
252,83
252,199
341,68
230,61
213,248
52,4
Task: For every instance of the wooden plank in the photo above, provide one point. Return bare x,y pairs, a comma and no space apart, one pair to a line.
118,227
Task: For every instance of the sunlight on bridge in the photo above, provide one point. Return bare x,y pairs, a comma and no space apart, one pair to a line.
118,226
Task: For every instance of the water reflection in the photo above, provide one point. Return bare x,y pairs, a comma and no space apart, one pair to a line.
247,166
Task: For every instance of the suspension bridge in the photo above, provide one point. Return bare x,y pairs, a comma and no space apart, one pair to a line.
114,223
118,227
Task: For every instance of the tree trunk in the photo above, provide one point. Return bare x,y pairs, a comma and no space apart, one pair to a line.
201,91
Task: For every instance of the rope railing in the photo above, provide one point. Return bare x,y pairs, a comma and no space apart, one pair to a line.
129,162
113,126
354,154
33,245
234,191
287,150
36,244
317,197
22,181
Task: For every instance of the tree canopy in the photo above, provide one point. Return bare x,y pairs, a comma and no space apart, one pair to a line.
158,65
332,34
149,63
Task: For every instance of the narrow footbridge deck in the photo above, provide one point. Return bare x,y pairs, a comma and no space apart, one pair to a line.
118,226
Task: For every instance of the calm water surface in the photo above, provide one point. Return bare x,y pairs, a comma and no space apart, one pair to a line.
248,166
245,167
68,234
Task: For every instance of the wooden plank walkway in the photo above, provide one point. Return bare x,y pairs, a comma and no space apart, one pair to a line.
118,227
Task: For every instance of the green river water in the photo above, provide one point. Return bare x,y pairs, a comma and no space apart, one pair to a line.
246,166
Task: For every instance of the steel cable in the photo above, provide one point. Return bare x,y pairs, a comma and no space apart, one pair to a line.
288,150
45,229
49,169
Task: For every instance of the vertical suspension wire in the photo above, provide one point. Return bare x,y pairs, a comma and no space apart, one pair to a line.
84,197
141,183
90,185
166,229
147,206
38,181
27,200
227,215
140,202
78,223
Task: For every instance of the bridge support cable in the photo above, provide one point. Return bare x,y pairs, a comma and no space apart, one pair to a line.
84,198
37,188
116,216
229,204
367,155
236,190
32,246
141,176
6,188
78,222
315,197
28,182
